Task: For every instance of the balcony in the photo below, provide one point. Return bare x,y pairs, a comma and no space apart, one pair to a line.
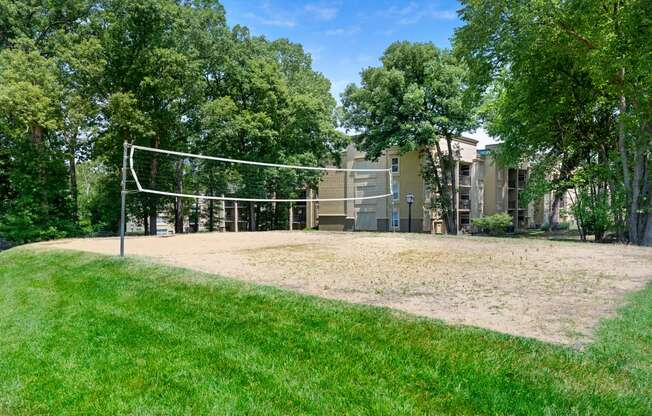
464,174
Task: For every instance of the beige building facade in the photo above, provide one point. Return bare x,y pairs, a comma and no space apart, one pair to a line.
483,188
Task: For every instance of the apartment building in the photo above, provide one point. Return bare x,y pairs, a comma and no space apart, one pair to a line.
503,190
483,188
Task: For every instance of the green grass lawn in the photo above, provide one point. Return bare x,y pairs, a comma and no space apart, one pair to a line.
88,334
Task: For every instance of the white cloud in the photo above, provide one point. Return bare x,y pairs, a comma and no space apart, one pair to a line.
444,14
279,22
315,52
266,13
414,12
387,32
322,12
275,22
402,11
269,16
343,31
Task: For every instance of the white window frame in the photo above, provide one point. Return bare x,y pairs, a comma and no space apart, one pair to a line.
396,194
392,165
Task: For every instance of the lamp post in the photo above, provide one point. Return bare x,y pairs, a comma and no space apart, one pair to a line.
410,200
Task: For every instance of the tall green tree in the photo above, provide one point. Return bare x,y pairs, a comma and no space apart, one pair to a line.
414,101
267,104
153,79
574,81
42,51
80,77
29,93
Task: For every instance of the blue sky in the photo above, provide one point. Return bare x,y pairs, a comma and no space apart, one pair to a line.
345,36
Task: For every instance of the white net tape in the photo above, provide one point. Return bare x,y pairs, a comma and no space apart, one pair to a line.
186,175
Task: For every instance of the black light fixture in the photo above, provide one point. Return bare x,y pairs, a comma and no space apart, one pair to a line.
410,200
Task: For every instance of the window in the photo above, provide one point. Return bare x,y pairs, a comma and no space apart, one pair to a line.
394,165
395,193
395,219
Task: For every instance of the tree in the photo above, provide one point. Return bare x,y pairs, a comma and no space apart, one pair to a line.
80,68
267,104
153,80
79,77
29,93
47,61
415,101
590,202
569,88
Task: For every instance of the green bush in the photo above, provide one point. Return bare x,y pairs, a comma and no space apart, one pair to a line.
494,224
562,226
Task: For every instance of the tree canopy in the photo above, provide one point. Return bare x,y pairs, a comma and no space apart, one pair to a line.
565,85
416,99
79,77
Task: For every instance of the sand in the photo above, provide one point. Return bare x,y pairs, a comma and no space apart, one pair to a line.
550,290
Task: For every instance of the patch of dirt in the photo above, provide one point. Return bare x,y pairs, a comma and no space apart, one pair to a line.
553,291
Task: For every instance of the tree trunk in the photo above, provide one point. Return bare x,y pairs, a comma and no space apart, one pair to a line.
647,235
453,172
36,137
553,218
72,169
252,217
153,206
196,227
618,218
178,202
273,219
580,220
152,219
645,219
178,216
448,212
146,223
634,218
631,191
441,184
211,215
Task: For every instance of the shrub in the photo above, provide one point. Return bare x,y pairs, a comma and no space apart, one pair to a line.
562,226
494,224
